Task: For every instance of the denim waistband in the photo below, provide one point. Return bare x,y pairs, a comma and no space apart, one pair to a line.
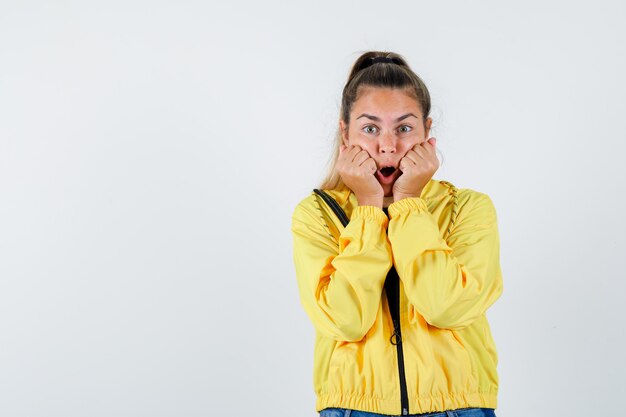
459,412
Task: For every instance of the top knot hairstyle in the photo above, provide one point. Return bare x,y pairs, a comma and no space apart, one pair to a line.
374,69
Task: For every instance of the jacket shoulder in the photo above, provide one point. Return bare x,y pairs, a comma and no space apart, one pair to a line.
469,195
470,201
308,210
306,203
308,219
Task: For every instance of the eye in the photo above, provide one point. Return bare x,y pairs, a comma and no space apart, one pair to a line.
367,127
408,127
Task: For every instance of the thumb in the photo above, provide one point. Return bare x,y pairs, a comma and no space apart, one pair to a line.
432,141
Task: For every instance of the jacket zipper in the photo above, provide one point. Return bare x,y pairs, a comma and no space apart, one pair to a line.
393,296
392,286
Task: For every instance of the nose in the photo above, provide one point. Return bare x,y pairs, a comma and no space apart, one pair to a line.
387,143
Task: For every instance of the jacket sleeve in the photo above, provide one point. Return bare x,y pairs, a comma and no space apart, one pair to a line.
451,283
341,282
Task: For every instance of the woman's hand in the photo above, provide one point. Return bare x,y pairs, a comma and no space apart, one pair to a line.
418,166
357,168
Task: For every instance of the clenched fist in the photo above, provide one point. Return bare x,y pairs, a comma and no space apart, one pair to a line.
418,166
357,168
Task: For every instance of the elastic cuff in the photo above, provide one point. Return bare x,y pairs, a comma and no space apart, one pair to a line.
371,212
406,204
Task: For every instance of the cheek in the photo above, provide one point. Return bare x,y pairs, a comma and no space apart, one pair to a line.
365,144
414,139
406,146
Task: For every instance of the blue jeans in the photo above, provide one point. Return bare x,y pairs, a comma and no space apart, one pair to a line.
459,412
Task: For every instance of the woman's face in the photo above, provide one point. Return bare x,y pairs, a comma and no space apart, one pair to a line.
387,123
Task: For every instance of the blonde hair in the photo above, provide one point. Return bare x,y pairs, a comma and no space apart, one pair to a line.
366,73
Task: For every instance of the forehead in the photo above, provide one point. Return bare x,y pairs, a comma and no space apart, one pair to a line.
385,102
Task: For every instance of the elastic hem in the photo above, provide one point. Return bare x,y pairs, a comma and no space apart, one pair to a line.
417,405
370,212
407,204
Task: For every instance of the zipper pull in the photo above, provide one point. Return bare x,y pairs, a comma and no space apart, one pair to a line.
395,338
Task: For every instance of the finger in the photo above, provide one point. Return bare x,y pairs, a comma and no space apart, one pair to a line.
370,164
361,157
406,163
431,151
425,149
348,153
429,144
429,147
416,154
364,161
353,151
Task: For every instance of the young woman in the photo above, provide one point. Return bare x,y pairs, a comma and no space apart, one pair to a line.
395,269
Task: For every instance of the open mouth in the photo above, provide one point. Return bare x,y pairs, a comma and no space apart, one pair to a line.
387,171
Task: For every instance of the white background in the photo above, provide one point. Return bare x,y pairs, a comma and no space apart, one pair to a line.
152,152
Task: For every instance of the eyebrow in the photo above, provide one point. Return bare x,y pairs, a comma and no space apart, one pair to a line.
377,119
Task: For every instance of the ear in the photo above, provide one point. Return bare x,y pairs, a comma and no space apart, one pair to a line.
427,124
344,132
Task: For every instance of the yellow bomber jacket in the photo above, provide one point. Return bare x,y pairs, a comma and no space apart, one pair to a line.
424,347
